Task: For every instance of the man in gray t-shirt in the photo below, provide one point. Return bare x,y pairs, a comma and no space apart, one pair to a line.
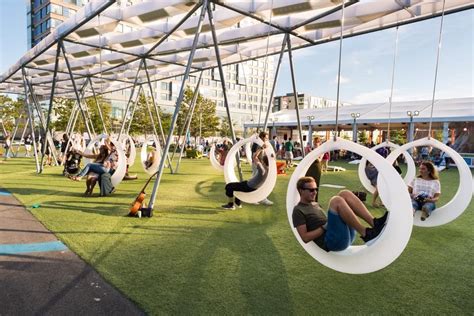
335,232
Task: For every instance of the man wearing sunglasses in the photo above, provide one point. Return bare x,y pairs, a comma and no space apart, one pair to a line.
336,231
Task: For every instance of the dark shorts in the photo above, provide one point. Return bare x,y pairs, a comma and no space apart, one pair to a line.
339,235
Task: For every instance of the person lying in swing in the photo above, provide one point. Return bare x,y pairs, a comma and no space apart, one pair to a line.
248,185
336,231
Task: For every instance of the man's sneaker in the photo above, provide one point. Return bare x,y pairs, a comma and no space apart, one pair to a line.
229,206
380,222
370,233
266,202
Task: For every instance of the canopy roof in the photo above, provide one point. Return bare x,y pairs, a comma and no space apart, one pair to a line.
445,110
107,42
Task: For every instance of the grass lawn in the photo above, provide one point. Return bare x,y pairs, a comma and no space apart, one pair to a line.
193,257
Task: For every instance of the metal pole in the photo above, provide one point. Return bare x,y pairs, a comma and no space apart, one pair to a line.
277,71
134,107
188,117
75,89
98,107
129,100
157,112
178,105
188,123
293,82
32,124
48,139
48,117
224,88
13,138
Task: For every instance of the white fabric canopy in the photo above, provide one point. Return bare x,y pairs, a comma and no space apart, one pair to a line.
106,41
445,110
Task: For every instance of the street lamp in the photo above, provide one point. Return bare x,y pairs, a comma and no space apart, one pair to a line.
310,130
355,116
411,127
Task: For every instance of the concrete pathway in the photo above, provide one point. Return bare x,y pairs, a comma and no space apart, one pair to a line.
39,275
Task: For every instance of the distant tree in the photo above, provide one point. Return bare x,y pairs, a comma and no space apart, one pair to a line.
204,121
106,109
10,110
362,137
398,137
142,123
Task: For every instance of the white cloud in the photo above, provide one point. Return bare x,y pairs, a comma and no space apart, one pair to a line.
343,80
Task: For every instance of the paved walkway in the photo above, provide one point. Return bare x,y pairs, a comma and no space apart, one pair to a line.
40,275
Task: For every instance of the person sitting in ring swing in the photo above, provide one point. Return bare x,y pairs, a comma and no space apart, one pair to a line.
151,158
248,185
425,190
336,231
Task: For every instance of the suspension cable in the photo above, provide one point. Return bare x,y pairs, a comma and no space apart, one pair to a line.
436,69
391,89
339,72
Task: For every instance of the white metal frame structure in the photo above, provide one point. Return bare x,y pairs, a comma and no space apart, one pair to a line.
175,38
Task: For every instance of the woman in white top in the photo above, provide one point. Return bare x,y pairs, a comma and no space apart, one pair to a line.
425,189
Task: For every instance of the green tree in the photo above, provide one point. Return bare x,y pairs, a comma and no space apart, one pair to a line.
398,137
204,121
10,110
106,109
362,137
142,124
62,109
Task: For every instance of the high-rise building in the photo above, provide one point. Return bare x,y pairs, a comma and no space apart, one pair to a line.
248,83
44,15
305,101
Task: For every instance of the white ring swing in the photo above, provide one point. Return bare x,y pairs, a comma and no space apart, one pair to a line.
267,187
144,155
458,204
212,157
133,150
411,168
396,233
119,173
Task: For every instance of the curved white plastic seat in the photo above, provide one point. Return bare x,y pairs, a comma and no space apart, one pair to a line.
144,155
248,152
213,159
133,150
119,173
458,204
411,168
390,243
270,180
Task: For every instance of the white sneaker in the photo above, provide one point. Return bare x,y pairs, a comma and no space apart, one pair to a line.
266,202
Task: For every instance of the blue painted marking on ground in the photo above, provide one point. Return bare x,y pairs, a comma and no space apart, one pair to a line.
9,249
5,193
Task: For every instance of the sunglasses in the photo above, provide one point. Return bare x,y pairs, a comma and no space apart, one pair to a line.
311,189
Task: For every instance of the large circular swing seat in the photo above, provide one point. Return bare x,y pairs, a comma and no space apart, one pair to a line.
459,203
380,252
155,163
119,173
270,180
411,168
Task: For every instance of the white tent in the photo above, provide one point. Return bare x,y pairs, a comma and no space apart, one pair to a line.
378,114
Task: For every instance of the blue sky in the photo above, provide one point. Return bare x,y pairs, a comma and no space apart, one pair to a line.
366,60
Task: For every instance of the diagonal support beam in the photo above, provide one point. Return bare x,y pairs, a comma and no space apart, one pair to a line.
178,105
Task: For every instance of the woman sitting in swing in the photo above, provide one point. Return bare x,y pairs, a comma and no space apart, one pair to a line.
425,190
105,161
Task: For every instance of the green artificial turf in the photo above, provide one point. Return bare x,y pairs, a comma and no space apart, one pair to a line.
193,257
